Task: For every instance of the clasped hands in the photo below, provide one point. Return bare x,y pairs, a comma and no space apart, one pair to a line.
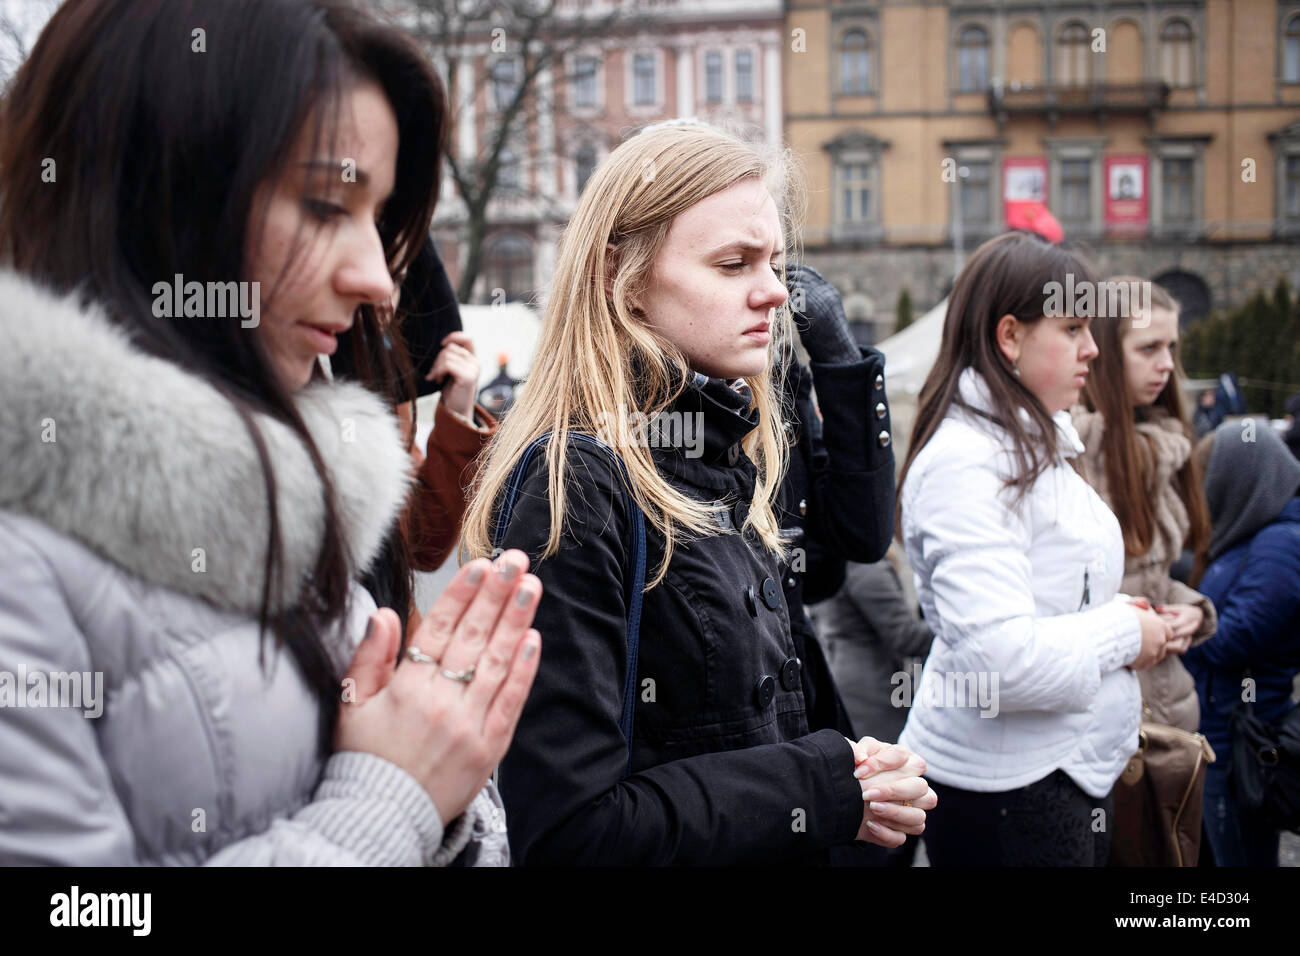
895,794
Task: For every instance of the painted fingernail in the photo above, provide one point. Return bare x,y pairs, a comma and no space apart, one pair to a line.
875,807
861,773
507,571
523,596
874,794
475,574
530,649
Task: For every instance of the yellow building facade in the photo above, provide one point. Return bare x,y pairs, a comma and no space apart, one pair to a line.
1164,137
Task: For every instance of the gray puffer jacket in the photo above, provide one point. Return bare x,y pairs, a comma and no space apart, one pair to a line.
136,725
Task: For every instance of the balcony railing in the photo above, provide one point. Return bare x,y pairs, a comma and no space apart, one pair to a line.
1096,98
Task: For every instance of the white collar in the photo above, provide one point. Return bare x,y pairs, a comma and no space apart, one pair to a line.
974,391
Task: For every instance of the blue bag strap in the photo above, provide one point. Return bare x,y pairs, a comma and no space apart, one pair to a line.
636,592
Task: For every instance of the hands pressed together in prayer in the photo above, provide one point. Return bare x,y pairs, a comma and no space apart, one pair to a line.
895,795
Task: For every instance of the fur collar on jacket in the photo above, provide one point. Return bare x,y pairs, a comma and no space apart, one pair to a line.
1164,448
146,464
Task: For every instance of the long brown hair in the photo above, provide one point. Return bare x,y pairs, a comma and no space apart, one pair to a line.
1010,274
1126,458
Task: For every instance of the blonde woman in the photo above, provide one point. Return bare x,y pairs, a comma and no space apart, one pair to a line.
668,290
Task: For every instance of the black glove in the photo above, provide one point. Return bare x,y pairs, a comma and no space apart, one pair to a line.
819,317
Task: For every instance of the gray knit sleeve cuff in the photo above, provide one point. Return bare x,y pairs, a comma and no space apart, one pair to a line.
377,810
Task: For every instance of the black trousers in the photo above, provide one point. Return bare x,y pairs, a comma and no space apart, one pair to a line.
1051,822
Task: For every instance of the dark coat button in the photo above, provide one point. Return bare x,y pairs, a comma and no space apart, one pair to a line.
771,594
724,515
790,674
881,409
751,600
883,439
733,454
765,690
880,381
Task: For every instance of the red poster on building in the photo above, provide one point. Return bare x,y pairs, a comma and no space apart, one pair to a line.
1126,195
1024,196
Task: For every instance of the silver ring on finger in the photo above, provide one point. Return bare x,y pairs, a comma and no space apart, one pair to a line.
464,676
417,656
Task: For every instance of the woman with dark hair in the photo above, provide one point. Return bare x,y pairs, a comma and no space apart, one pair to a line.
195,199
1027,709
1137,456
1250,568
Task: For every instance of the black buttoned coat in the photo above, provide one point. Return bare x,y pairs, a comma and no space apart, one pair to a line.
836,504
723,767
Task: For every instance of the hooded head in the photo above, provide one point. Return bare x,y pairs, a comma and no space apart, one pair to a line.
1250,477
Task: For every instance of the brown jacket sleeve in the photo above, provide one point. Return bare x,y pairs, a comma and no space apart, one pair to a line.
432,520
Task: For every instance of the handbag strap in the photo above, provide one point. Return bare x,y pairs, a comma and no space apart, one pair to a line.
636,588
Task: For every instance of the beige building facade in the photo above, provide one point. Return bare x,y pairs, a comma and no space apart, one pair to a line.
1164,136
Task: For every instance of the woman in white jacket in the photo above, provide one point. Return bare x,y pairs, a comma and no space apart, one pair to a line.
1028,708
185,502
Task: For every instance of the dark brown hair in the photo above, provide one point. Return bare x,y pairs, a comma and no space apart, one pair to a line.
1127,459
160,151
1008,275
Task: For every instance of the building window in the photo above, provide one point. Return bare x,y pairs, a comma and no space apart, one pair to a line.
1076,191
976,194
855,62
855,193
508,169
508,265
973,59
643,78
1291,52
505,81
1072,54
1176,53
713,76
584,81
1178,199
585,165
1177,186
744,76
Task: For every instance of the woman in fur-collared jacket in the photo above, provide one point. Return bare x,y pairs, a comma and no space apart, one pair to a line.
185,505
1137,442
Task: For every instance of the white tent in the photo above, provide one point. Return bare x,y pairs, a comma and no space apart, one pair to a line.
910,354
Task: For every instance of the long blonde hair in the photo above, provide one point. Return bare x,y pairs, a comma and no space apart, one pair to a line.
597,357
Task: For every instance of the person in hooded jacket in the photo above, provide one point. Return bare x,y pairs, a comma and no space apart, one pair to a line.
186,502
1251,571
